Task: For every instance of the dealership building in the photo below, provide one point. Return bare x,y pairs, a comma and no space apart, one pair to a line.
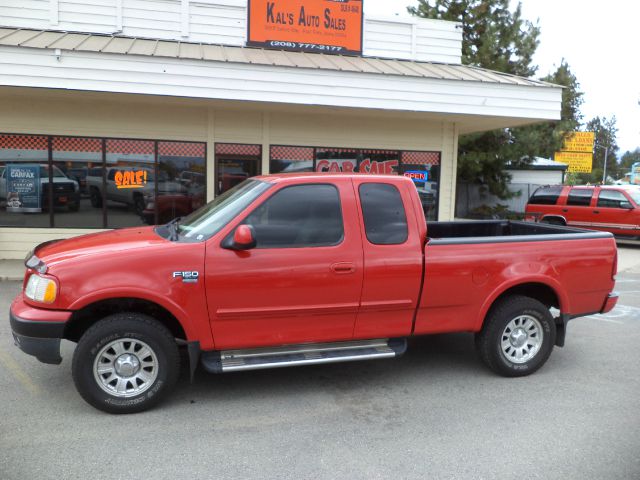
118,113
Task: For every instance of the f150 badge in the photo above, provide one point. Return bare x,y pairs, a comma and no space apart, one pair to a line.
187,277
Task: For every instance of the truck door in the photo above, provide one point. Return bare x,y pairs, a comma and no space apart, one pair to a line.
393,259
302,281
614,213
578,210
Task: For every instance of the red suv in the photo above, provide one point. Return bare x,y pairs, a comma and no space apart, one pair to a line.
615,209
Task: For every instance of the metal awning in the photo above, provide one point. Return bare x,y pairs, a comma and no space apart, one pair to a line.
115,44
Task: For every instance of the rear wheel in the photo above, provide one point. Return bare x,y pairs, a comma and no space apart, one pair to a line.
517,337
138,204
96,198
125,363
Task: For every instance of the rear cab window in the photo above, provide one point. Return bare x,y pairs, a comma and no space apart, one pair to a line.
546,195
385,219
580,197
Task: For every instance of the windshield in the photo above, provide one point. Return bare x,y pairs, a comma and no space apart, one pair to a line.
44,172
635,194
210,219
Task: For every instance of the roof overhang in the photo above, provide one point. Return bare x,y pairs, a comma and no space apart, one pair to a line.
474,98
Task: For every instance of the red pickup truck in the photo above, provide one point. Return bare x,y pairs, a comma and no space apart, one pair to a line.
302,269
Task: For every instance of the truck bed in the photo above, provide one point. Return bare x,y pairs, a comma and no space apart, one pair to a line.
500,231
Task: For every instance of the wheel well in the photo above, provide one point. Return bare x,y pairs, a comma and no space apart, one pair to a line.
82,319
539,291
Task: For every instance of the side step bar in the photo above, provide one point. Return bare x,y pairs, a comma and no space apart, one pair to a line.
304,354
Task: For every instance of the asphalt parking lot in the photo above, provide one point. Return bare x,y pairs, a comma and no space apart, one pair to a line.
434,413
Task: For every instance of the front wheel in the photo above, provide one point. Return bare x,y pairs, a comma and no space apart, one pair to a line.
125,363
517,337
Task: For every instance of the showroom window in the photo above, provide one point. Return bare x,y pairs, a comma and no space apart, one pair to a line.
24,181
421,166
283,159
81,182
235,162
76,158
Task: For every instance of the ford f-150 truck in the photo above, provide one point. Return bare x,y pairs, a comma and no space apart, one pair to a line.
301,269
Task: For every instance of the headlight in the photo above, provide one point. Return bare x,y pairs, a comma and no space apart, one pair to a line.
40,289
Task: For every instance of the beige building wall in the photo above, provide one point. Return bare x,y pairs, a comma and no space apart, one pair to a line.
127,116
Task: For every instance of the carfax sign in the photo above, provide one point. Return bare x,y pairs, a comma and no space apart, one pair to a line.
326,26
23,188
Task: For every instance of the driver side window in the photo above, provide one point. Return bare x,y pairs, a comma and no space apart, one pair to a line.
611,199
299,216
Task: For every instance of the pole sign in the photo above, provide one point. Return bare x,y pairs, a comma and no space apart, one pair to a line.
23,188
579,142
577,152
321,26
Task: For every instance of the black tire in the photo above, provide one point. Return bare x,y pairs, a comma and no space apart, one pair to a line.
96,198
138,204
127,332
534,320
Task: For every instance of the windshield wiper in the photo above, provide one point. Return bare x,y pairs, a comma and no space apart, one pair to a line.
173,227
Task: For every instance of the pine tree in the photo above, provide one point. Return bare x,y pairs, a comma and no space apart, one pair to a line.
496,38
605,130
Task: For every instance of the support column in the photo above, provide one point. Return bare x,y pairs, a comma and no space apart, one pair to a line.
211,154
265,142
448,172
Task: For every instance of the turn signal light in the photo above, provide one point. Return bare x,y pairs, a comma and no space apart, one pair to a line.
40,289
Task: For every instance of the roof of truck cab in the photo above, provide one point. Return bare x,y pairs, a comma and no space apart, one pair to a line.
280,177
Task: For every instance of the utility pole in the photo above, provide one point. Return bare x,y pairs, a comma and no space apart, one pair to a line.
604,174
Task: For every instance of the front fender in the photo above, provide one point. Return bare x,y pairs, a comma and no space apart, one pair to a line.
143,294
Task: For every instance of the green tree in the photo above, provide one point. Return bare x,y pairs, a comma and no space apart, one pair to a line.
544,139
496,38
493,36
605,130
629,158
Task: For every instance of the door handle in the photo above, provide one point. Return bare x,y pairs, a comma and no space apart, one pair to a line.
596,211
565,210
343,267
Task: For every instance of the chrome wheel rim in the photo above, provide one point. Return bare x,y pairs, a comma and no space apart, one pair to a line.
521,339
125,367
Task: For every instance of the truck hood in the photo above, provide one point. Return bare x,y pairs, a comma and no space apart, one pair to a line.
102,243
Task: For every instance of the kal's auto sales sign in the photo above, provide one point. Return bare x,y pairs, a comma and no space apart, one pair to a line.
321,26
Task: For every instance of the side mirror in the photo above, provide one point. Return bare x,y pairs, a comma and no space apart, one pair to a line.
244,238
626,205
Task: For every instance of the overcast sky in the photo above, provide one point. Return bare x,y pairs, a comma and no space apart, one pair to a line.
599,41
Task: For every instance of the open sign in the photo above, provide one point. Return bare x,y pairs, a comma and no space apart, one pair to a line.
417,176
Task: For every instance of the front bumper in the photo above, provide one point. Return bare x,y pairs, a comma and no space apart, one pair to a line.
36,335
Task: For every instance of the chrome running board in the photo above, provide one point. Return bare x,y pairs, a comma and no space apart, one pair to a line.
304,354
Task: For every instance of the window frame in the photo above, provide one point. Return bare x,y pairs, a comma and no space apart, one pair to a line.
364,221
400,155
574,189
555,202
51,162
273,194
610,190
